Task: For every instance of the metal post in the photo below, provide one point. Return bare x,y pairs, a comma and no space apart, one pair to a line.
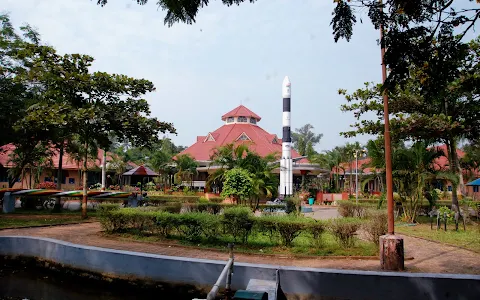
356,176
230,272
388,150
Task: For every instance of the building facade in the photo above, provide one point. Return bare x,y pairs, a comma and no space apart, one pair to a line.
241,125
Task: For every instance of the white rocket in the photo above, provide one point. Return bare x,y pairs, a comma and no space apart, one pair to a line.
286,164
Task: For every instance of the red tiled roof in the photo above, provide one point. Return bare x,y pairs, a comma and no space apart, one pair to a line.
261,142
241,111
440,163
69,163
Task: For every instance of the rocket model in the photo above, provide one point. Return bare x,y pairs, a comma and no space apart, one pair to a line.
286,164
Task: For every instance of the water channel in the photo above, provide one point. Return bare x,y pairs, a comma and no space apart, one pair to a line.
21,282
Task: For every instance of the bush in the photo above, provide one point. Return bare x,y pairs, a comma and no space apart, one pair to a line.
216,199
238,221
174,208
103,211
376,226
289,228
128,218
192,225
344,230
211,208
349,209
316,229
203,200
165,223
172,198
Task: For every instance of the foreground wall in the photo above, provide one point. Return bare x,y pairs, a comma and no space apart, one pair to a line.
308,283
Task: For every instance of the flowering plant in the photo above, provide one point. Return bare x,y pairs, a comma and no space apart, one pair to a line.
47,185
304,195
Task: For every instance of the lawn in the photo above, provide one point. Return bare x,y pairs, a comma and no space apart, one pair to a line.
261,244
40,218
469,239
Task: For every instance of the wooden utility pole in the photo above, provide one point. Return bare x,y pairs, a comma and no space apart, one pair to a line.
391,246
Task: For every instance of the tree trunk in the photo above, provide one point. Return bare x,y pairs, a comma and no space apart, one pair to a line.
453,158
56,207
351,179
84,196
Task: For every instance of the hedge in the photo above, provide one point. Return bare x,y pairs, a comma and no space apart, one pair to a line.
236,222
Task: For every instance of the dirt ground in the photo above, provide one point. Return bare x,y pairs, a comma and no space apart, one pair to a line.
429,257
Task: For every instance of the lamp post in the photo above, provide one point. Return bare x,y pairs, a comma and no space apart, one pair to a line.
356,171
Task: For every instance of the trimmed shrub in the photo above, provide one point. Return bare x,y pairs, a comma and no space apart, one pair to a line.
238,221
376,226
193,225
172,198
166,222
103,211
289,228
350,209
174,208
268,226
316,229
344,230
216,199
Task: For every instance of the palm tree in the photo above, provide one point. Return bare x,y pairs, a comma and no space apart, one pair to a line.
415,169
239,156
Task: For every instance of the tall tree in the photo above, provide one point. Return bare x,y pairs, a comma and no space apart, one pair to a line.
427,109
407,21
304,139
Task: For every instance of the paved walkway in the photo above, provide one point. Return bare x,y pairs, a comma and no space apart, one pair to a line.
428,256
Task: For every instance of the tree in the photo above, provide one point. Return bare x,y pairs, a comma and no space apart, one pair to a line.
238,184
413,26
91,106
304,139
186,168
444,114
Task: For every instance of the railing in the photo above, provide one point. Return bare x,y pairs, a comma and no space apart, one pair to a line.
225,275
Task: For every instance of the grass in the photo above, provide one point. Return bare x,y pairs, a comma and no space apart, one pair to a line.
32,218
469,239
261,244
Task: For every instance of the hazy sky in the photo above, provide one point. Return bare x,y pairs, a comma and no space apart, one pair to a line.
232,55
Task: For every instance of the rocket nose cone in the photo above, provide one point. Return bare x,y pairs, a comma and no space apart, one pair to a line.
286,81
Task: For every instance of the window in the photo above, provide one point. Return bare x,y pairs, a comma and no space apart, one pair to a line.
71,180
230,119
243,137
242,119
475,189
47,179
253,120
449,188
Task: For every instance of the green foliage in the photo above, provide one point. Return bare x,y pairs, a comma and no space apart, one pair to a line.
344,230
316,229
193,225
238,184
238,222
304,139
349,209
446,213
376,226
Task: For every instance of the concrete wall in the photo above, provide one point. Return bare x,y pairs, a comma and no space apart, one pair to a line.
308,283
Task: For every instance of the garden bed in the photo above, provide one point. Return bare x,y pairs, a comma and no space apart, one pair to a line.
266,234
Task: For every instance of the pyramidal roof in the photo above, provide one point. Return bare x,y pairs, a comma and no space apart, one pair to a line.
257,139
241,111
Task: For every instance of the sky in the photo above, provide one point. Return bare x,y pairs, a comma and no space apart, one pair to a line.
230,56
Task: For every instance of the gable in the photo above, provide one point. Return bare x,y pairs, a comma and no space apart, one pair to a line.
243,137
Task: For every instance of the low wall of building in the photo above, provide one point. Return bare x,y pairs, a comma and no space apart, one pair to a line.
304,283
